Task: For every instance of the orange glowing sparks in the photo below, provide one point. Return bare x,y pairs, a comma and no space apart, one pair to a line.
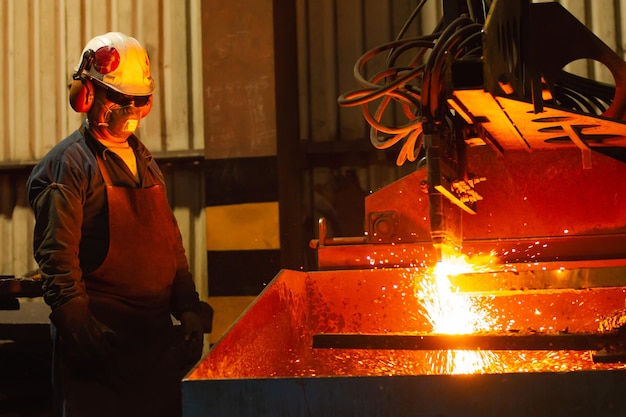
451,312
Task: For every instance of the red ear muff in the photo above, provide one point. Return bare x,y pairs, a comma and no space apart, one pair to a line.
145,109
81,95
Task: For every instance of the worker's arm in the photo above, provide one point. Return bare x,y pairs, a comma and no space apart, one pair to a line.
55,191
186,306
54,197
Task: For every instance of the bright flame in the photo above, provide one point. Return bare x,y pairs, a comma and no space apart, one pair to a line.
451,312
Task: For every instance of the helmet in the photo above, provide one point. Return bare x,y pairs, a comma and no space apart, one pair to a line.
116,61
119,62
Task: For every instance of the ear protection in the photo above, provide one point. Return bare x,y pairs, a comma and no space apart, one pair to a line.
81,95
81,90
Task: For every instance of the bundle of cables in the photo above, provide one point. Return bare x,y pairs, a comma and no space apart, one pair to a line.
582,94
418,86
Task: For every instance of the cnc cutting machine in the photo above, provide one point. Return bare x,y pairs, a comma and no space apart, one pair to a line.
489,281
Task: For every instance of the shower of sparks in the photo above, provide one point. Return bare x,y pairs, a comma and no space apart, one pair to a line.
451,312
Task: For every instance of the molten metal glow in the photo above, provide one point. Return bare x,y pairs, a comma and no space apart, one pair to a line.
451,312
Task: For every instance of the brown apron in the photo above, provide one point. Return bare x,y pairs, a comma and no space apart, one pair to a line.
130,292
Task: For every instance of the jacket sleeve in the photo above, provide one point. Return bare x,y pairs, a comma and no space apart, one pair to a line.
54,194
184,294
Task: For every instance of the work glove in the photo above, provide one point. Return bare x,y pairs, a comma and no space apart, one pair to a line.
84,341
193,338
206,315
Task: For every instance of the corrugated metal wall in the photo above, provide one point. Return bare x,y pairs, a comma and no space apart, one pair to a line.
41,42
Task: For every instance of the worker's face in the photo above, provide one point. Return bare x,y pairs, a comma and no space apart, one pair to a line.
115,116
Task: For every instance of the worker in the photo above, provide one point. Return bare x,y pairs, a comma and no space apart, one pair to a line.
114,269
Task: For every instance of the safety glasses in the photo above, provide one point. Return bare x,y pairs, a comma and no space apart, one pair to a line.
124,100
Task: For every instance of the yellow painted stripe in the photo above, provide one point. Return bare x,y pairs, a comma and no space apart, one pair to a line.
247,226
226,311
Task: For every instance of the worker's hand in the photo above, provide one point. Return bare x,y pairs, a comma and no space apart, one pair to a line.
206,315
193,337
84,341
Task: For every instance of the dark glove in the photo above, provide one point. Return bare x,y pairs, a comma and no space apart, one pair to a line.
84,341
193,337
206,315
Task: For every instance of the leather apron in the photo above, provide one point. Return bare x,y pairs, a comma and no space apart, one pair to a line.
130,292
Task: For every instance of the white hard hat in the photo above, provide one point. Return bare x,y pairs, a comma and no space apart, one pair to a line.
119,62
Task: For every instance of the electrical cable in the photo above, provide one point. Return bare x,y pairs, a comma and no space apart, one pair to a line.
416,87
413,80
